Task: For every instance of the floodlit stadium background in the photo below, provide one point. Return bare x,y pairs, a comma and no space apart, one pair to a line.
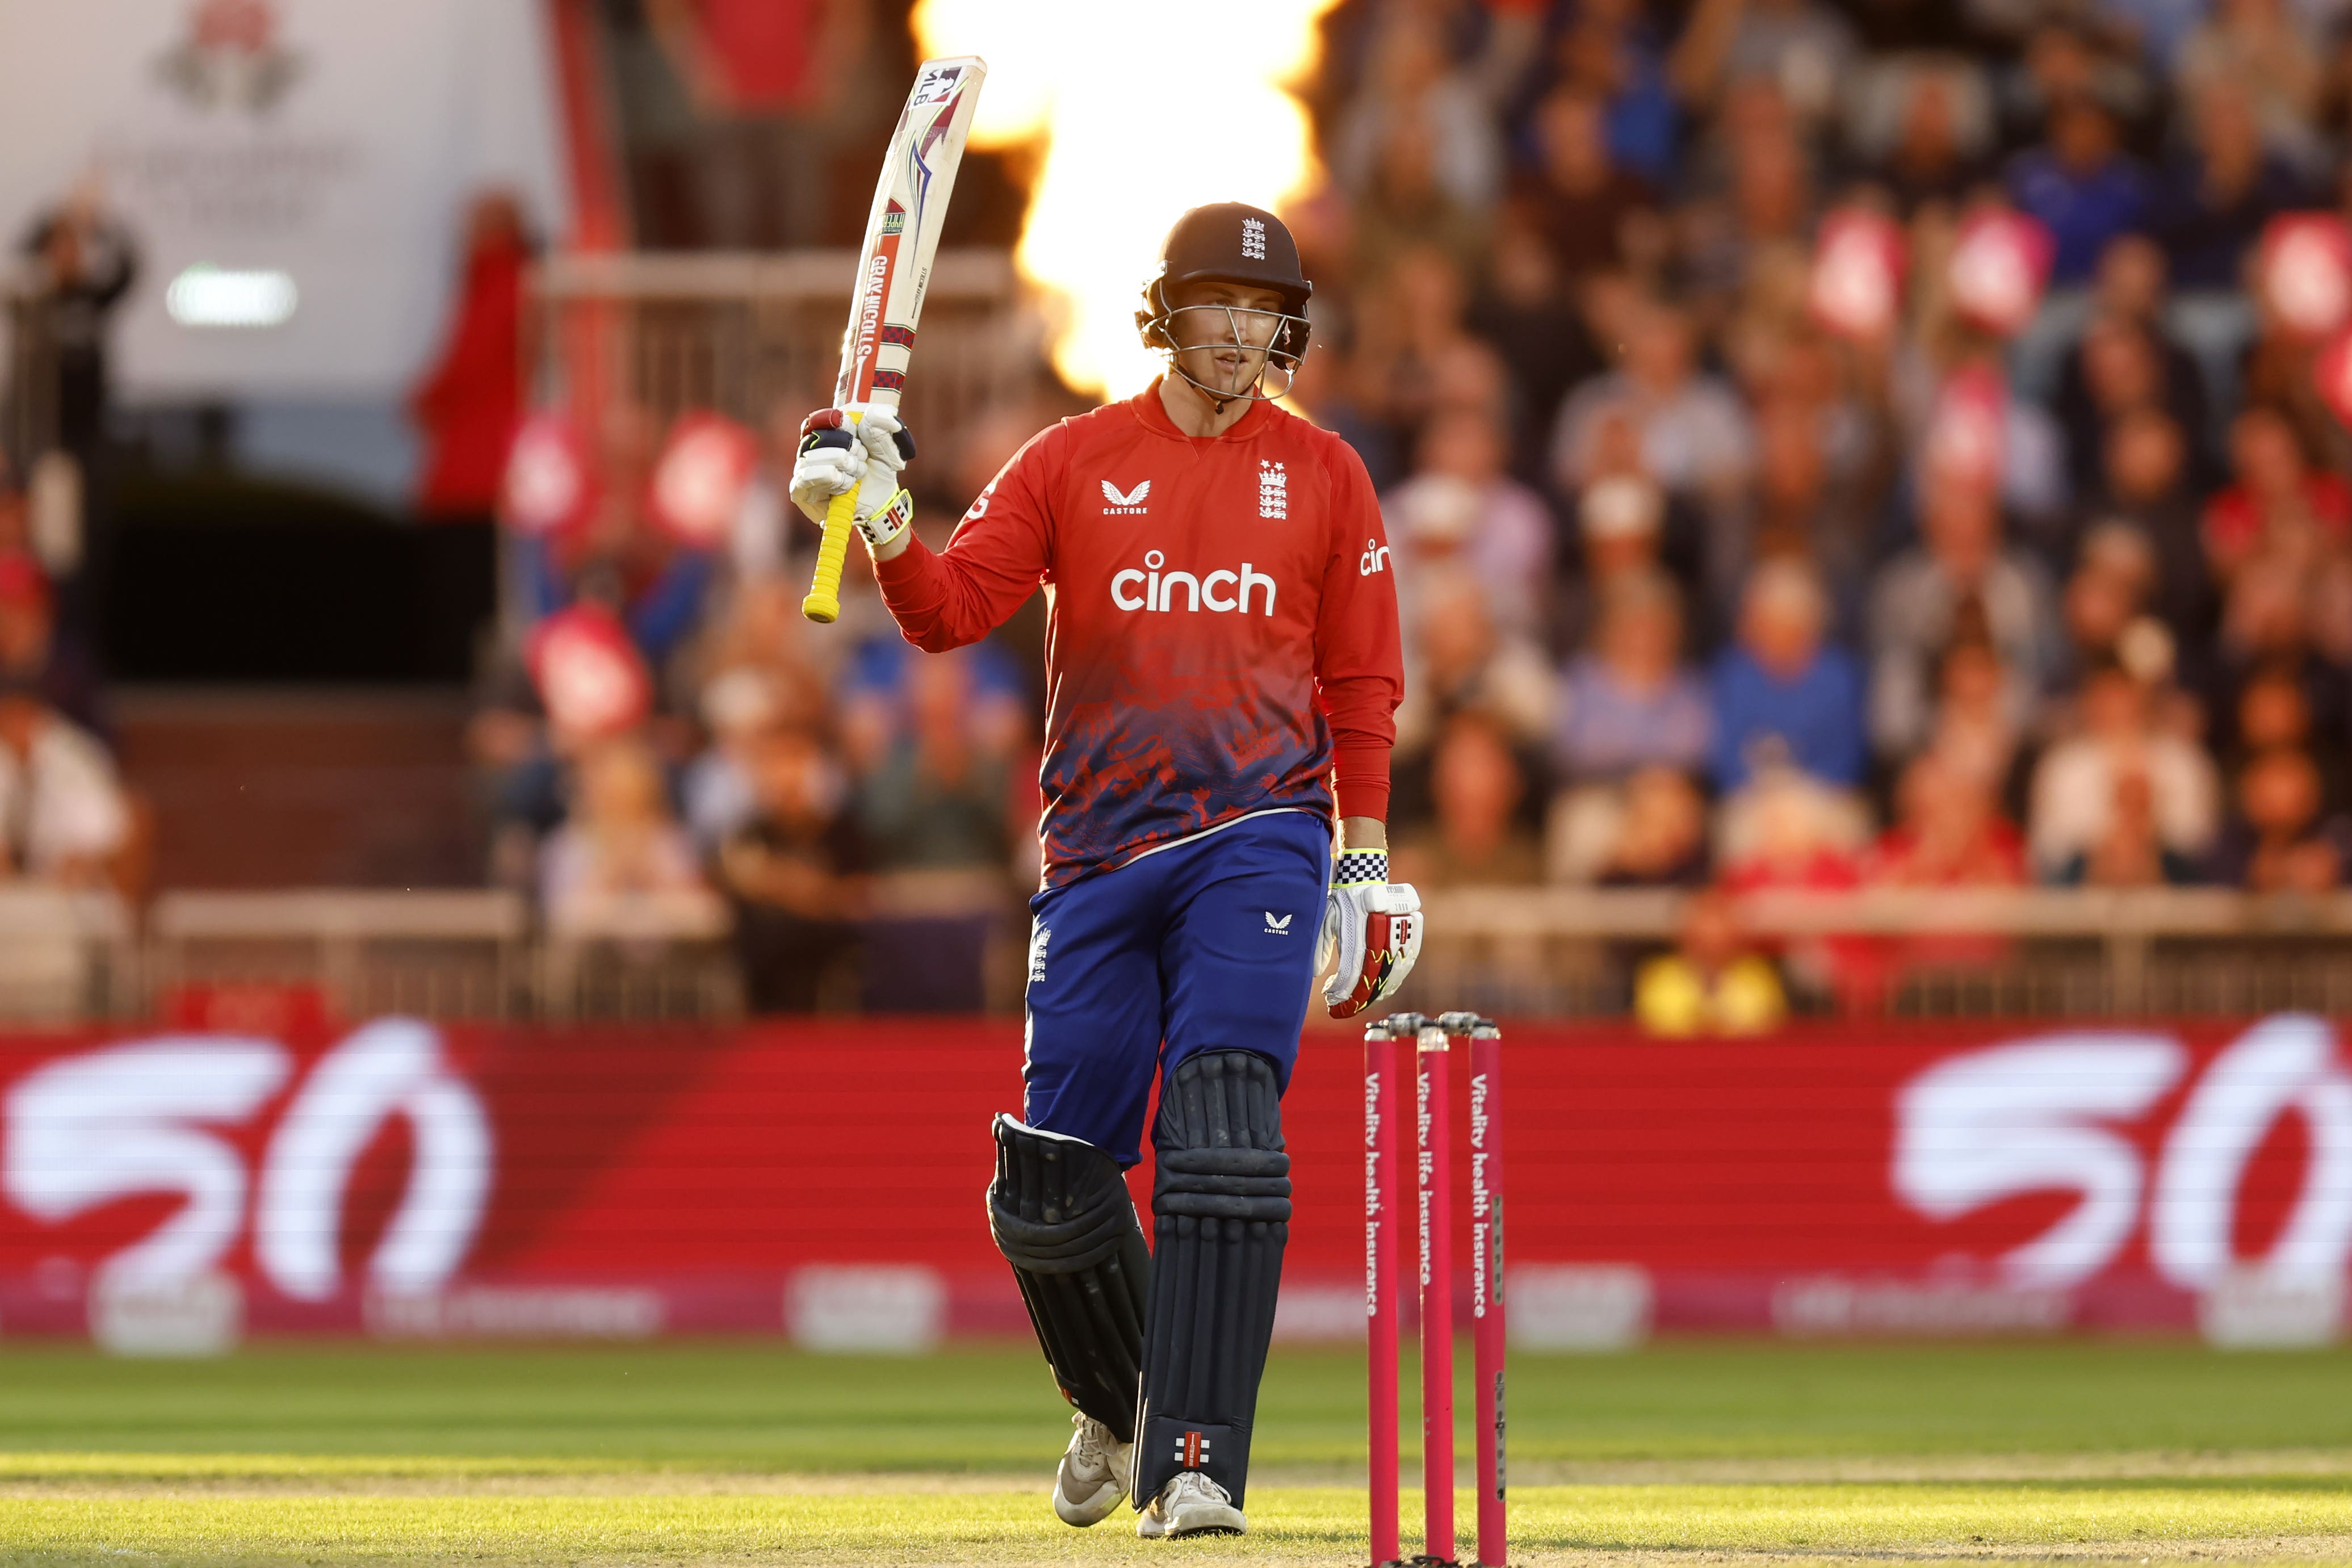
1868,490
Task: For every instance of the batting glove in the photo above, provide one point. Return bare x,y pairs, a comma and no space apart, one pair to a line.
1374,928
864,449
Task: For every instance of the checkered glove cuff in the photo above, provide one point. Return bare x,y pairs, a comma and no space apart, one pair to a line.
1358,867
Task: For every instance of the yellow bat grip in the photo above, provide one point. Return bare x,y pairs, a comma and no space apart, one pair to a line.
823,605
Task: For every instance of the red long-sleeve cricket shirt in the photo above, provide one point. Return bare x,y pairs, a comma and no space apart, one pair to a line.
1222,633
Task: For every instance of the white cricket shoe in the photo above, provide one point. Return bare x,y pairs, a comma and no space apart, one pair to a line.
1095,1470
1191,1504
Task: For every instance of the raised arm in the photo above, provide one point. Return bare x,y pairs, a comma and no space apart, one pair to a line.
1001,550
999,554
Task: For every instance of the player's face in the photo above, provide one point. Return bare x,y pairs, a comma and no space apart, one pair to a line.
1223,332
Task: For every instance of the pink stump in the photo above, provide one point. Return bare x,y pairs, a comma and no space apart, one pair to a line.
1382,1216
1486,1282
1435,1173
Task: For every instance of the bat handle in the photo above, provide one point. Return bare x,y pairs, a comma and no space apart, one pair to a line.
823,605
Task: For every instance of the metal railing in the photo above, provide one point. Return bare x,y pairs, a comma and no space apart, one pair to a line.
1958,953
65,956
68,957
742,333
460,953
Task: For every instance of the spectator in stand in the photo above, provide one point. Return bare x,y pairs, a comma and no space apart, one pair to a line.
2130,850
619,850
1934,157
2212,202
2114,580
1763,211
878,697
937,812
1717,982
793,873
2278,371
1589,210
1977,727
1695,435
1527,316
2067,58
1820,477
1960,567
2107,800
2259,49
1457,659
755,669
64,817
2266,625
82,263
1460,505
1648,830
2274,713
1477,839
2120,368
1783,693
1411,324
617,557
1788,832
1609,49
1949,832
1407,208
1802,48
2082,184
1622,526
1415,94
2282,838
761,629
738,710
2280,507
2130,289
938,796
1629,702
769,82
35,654
2142,488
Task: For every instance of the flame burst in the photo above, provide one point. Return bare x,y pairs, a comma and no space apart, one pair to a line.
1142,112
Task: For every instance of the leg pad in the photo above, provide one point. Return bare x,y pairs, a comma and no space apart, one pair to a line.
1061,1215
1220,1208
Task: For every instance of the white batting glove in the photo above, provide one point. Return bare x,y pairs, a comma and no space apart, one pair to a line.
861,449
1373,927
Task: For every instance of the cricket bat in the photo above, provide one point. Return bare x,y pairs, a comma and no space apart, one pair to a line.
894,268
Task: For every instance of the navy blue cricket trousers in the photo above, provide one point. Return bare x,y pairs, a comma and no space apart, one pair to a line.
1206,946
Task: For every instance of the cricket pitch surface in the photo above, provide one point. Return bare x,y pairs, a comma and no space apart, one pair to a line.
724,1453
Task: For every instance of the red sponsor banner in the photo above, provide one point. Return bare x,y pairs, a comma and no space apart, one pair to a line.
181,1186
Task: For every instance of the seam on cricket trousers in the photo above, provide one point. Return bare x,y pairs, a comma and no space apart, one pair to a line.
1219,828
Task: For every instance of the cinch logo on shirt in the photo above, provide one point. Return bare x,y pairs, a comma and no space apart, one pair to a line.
1220,592
1118,502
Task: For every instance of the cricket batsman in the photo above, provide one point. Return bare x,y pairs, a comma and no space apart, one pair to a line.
1223,668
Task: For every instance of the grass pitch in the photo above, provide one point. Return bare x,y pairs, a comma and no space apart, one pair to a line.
740,1454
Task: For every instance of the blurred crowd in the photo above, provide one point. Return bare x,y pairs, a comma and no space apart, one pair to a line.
1705,583
674,738
1700,589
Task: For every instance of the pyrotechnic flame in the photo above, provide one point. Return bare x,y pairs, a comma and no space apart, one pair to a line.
1142,112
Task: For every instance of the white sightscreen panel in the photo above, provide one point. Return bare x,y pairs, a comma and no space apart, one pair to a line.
332,140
